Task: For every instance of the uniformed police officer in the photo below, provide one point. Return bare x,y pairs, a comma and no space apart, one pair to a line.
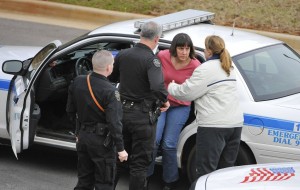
141,85
96,162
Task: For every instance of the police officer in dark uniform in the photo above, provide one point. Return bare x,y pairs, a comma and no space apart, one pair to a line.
96,158
142,88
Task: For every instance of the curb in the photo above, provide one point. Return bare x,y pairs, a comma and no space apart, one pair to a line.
91,18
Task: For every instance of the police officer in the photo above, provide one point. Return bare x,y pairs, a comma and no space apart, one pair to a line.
141,85
96,162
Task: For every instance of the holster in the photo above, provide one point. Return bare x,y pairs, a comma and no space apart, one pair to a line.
108,141
154,113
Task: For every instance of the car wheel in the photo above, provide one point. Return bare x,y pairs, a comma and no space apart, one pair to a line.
191,165
245,156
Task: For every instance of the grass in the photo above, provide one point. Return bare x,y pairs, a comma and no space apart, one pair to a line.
266,15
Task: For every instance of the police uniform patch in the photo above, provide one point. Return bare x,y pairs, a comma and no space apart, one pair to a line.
156,62
117,95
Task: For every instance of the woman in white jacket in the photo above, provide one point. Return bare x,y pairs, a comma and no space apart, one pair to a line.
212,87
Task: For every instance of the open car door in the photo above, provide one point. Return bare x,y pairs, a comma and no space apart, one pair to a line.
20,100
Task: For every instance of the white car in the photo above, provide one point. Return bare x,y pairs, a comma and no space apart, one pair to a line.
273,176
34,90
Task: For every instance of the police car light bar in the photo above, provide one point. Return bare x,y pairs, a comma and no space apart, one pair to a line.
178,19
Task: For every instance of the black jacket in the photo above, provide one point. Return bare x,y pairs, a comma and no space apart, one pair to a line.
140,75
81,102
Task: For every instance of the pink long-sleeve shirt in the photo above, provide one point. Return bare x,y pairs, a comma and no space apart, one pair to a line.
180,75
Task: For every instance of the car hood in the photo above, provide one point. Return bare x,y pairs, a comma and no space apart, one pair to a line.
253,177
17,52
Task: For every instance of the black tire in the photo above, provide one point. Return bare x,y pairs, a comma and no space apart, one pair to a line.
191,165
245,156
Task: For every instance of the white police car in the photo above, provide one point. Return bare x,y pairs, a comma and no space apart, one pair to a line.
34,90
275,176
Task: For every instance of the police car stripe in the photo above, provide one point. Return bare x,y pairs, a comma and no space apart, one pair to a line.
270,123
4,84
221,81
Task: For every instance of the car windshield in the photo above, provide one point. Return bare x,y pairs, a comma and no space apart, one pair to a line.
271,72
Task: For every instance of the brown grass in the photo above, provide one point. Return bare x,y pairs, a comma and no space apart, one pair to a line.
267,15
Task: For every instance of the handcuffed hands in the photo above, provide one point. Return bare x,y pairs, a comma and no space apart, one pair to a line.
123,156
165,106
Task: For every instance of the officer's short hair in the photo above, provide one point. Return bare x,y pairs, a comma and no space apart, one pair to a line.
101,59
150,30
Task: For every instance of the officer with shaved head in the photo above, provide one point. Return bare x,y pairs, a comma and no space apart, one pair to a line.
95,102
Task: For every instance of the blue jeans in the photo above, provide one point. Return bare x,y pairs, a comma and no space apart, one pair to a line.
168,129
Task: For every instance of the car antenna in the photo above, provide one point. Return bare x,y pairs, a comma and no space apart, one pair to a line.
235,16
233,25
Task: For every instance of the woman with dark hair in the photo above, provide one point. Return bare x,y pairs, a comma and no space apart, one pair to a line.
219,116
178,63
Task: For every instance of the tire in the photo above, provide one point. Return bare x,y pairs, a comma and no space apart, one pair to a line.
245,156
191,165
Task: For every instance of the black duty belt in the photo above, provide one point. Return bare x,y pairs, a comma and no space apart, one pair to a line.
99,128
132,105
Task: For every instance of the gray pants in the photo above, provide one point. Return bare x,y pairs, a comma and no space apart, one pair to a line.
216,148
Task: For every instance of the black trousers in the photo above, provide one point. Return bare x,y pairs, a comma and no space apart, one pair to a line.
139,138
216,148
96,163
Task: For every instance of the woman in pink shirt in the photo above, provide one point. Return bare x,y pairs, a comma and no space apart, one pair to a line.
178,64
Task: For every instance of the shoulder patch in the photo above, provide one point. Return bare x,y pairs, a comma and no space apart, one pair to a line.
156,62
117,95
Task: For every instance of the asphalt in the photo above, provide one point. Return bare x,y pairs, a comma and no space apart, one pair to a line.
45,12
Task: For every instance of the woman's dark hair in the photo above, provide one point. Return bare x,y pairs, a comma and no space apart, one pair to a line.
181,40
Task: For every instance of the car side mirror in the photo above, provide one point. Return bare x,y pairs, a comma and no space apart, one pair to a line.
12,67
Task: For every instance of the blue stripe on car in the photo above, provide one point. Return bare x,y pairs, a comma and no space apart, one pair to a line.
4,84
268,122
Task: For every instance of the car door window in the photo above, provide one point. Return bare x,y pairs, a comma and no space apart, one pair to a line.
270,72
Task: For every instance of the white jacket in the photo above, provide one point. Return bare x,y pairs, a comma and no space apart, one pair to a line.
214,94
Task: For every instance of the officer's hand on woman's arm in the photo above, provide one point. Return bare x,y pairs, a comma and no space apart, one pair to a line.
123,156
165,106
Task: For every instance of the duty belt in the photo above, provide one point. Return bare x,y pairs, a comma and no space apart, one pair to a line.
131,105
99,128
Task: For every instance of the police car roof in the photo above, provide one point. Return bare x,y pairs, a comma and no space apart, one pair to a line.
239,42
